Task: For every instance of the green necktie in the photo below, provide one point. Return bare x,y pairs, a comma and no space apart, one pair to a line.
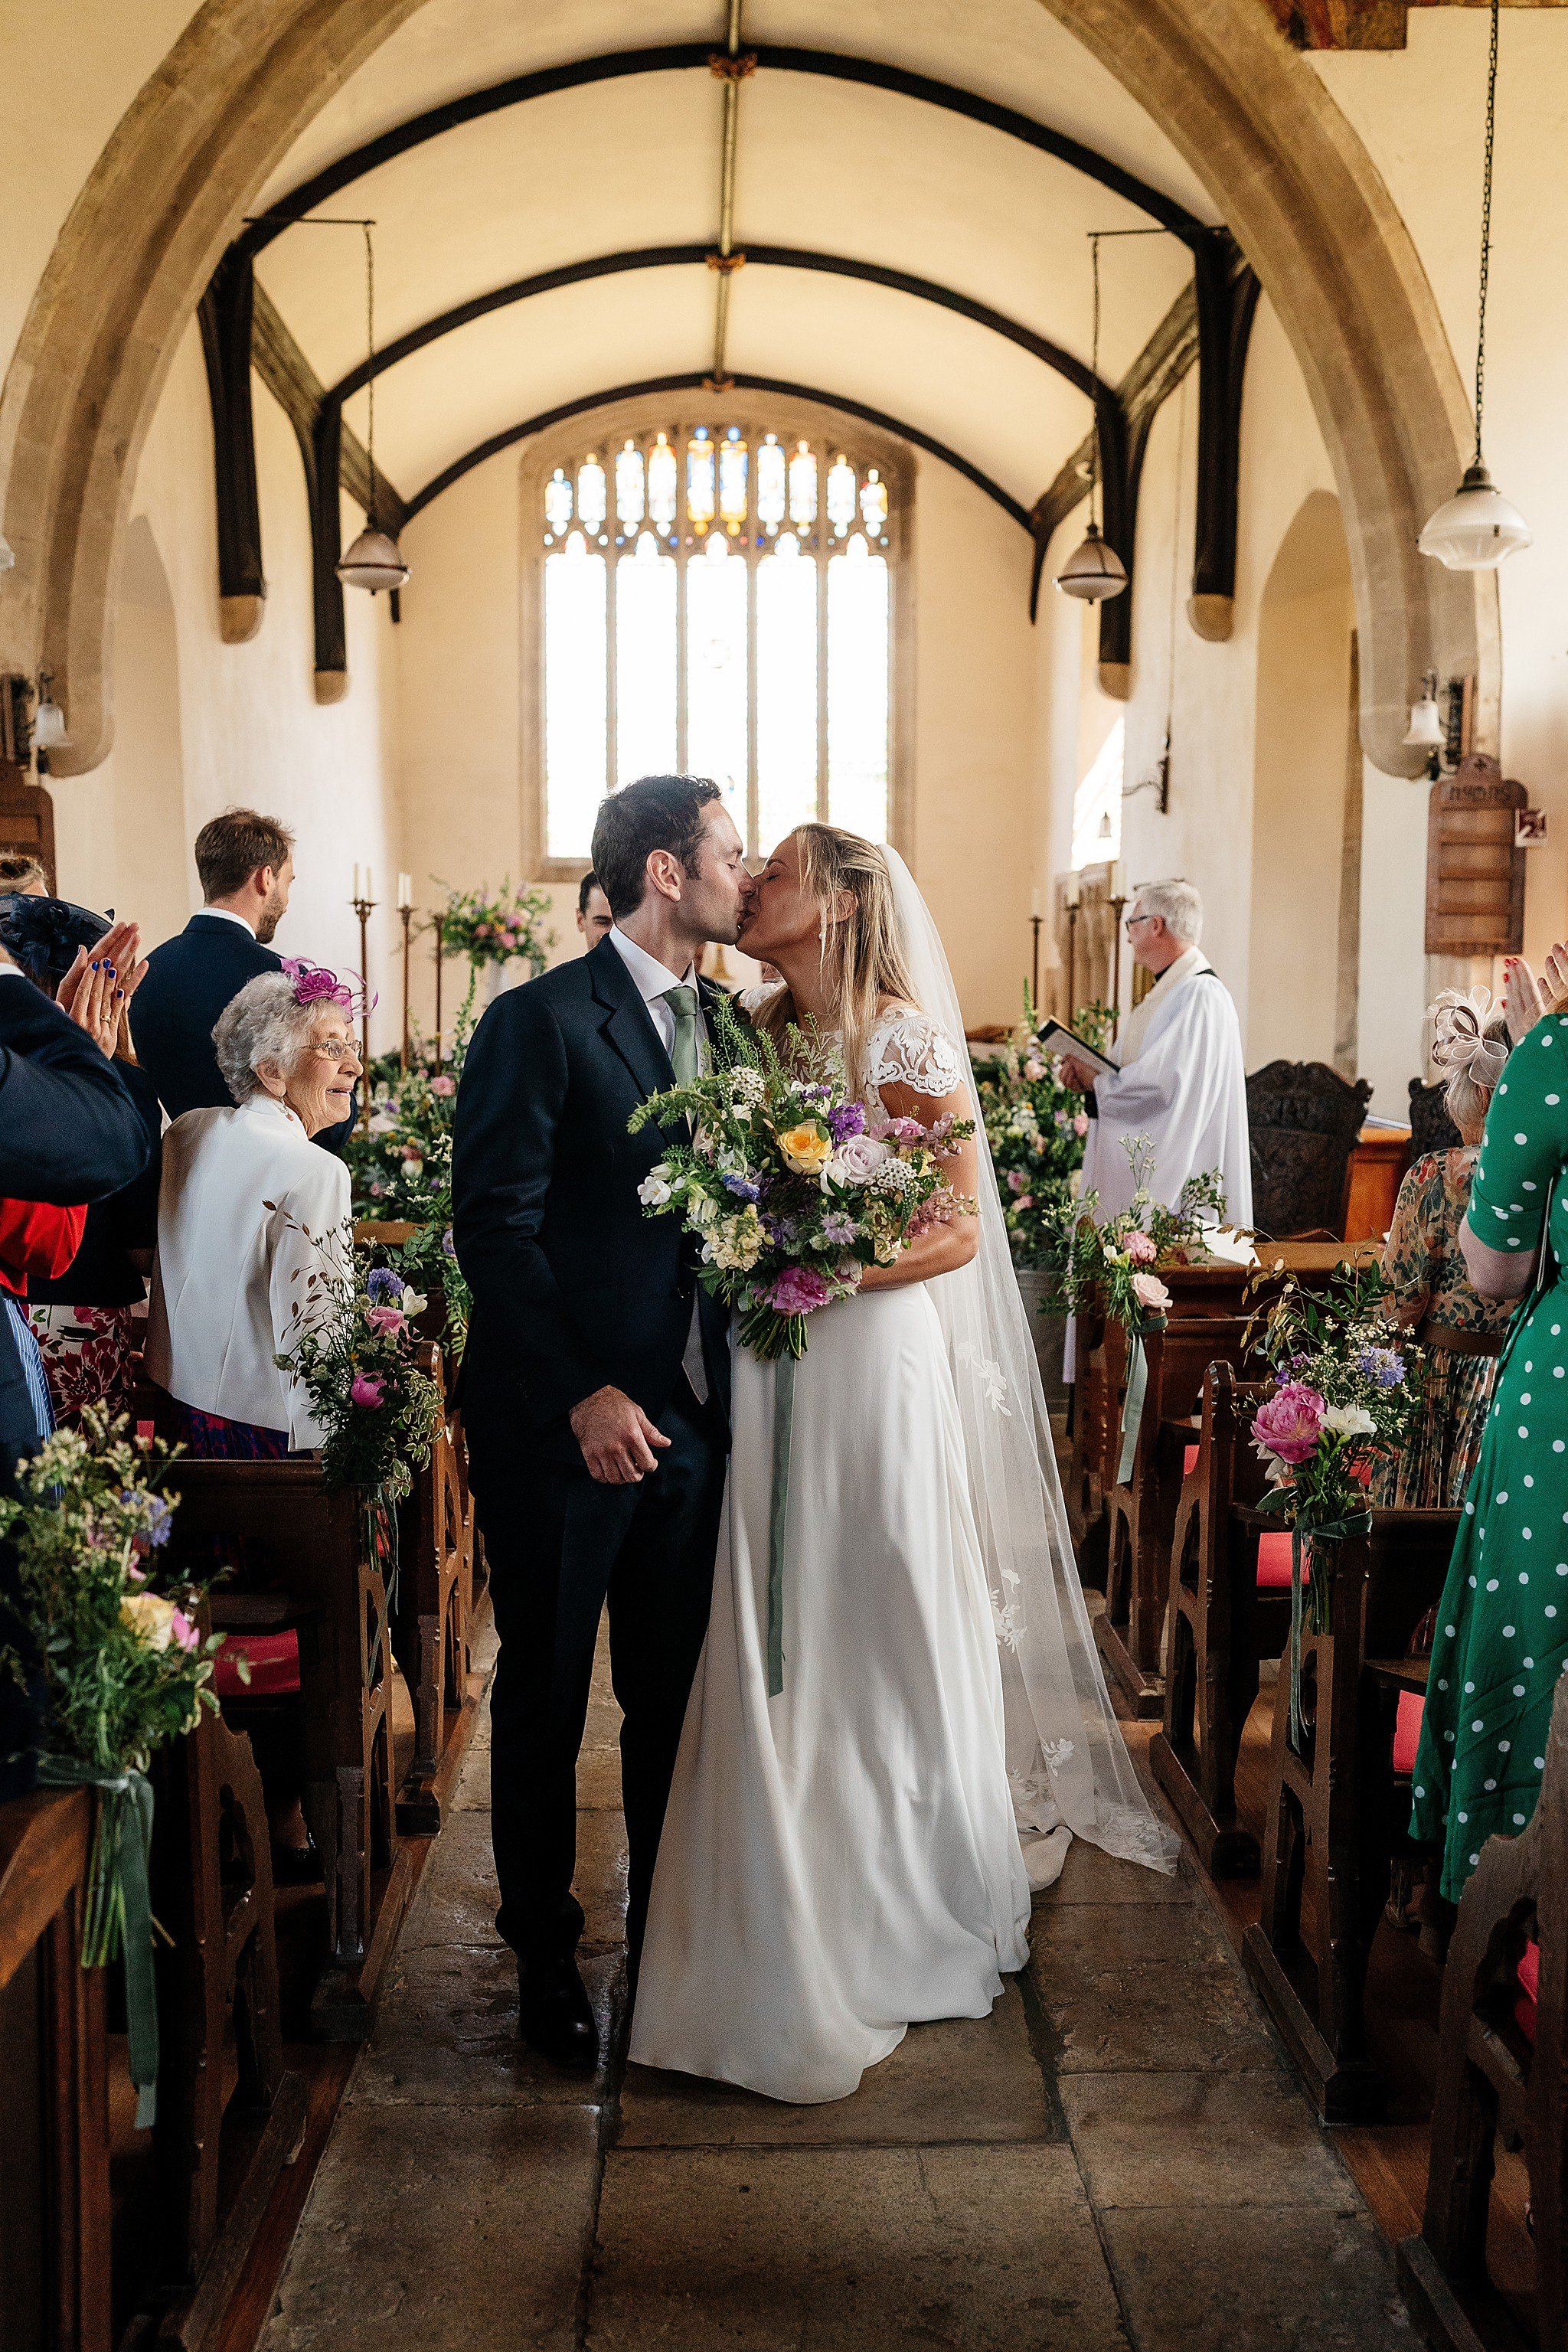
682,1003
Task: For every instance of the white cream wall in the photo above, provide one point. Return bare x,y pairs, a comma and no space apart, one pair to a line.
459,679
202,726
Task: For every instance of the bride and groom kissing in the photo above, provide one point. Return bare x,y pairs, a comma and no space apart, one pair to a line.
811,1871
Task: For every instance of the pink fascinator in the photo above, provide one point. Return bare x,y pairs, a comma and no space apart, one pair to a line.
314,984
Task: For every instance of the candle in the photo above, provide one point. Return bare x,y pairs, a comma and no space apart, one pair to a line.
1071,890
358,892
1119,880
404,893
1033,902
369,884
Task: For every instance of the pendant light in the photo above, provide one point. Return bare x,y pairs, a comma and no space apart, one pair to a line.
1094,571
48,720
1477,528
374,561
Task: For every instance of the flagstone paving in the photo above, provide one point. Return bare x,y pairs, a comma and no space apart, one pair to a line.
1118,2157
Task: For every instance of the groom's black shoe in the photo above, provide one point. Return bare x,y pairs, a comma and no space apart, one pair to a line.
555,2016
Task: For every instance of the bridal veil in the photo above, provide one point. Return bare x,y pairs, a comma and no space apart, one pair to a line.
1067,1760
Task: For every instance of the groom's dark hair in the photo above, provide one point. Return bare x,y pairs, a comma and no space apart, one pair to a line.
656,813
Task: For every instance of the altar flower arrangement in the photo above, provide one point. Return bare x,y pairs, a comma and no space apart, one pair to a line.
351,1348
496,929
1036,1126
1345,1391
791,1189
112,1637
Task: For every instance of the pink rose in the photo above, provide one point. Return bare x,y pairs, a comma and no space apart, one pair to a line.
857,1160
1291,1424
186,1634
1016,1179
441,1083
366,1390
390,1319
1024,1201
1033,1069
1151,1292
798,1290
1081,1122
1140,1249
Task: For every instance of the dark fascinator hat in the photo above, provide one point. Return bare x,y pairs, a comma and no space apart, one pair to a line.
44,935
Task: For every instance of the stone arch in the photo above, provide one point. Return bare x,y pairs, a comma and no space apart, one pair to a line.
245,76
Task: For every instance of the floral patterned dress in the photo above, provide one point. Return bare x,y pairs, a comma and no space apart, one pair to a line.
1502,1622
1431,1288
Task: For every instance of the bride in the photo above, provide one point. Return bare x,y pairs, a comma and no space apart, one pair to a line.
856,1853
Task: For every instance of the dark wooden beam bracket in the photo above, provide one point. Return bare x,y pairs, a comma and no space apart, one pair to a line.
225,314
1226,291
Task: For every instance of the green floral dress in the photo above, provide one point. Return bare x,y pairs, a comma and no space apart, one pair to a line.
1502,1623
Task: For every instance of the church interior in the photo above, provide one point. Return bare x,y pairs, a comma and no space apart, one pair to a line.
420,417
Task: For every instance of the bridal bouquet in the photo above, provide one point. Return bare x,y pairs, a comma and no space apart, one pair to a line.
788,1184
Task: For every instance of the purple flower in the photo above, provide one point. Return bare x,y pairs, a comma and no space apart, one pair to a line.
839,1229
1384,1365
158,1518
847,1119
797,1291
742,1187
381,1282
448,1246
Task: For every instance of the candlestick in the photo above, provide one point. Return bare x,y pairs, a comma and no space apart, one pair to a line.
436,926
364,907
1072,955
1036,919
1033,902
1119,885
408,914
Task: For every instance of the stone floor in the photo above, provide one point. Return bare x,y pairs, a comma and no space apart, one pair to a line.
1118,2157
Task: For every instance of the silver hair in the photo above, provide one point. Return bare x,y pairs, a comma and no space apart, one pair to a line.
1179,903
265,1022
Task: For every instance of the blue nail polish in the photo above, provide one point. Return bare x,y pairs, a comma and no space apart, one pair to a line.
93,966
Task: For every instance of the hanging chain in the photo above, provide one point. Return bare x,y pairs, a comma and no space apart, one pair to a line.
1485,229
1094,371
369,381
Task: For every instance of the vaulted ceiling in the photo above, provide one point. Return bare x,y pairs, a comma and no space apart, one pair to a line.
976,238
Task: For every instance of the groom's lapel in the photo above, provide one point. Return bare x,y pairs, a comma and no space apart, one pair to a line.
626,1025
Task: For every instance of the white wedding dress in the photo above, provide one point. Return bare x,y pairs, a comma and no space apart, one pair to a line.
849,1857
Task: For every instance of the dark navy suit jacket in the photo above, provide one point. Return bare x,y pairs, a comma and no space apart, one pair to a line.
190,980
575,1287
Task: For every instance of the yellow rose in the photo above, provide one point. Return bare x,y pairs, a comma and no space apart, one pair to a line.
150,1617
807,1149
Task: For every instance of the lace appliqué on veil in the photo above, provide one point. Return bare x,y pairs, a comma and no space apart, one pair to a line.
989,1374
908,1049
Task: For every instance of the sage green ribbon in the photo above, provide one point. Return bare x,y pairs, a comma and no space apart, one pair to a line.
1132,1399
118,1911
778,1515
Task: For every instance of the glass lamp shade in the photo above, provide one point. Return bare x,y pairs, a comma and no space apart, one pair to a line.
1476,529
49,726
373,561
1426,732
1092,572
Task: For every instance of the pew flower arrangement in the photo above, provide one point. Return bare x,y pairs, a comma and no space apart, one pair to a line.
401,1163
1346,1389
1119,1260
116,1641
1035,1128
352,1351
788,1186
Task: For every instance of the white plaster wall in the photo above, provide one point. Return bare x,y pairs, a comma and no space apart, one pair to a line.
245,727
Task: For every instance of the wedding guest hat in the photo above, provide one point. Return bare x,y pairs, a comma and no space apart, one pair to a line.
45,934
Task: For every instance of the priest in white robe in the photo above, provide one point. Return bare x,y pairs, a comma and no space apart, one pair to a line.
1181,1082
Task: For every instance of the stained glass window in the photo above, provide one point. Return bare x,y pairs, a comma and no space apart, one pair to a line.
719,601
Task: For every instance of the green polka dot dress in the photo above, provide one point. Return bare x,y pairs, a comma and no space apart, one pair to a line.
1502,1625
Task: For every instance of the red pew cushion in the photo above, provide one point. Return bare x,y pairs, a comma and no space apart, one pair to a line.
1529,1979
274,1666
1408,1731
1274,1562
1189,1461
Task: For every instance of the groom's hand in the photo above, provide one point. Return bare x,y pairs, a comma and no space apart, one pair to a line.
616,1437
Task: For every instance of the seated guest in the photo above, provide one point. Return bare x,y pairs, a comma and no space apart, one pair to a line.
1432,1297
244,864
244,1202
594,916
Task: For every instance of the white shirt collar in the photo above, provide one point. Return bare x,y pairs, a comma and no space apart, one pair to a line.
652,977
227,915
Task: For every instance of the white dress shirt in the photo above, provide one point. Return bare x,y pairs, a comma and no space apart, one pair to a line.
238,1187
652,978
227,915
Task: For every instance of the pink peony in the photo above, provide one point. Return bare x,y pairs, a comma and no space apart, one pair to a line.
1151,1292
798,1290
390,1319
1291,1424
1081,1122
186,1634
367,1391
1140,1249
443,1084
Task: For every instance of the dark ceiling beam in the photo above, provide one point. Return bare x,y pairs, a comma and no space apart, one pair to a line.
694,380
772,256
694,57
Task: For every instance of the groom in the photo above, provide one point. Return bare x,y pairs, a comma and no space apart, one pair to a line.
596,1382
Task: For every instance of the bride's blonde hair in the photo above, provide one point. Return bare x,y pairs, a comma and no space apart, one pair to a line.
862,953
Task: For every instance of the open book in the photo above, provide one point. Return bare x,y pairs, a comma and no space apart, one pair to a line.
1056,1038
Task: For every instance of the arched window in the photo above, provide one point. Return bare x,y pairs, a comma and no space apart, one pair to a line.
715,599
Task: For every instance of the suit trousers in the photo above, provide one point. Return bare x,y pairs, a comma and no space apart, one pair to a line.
559,1545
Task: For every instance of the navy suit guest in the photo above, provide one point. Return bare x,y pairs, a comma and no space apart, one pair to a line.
244,864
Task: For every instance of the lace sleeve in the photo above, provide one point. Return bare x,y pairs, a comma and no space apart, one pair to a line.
752,1000
908,1049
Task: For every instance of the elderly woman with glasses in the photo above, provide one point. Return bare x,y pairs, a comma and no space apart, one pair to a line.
247,1205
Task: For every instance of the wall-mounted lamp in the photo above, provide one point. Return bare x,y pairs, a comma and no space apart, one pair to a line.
49,721
1426,732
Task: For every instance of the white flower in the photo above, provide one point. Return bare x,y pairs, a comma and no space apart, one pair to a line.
746,1086
1350,1421
702,1209
414,1302
857,1160
705,1144
655,1189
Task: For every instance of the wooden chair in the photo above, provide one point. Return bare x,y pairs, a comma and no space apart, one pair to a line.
1333,1824
1304,1120
305,1556
1501,2072
1431,1129
435,1597
217,1987
1142,1509
1228,1610
54,2086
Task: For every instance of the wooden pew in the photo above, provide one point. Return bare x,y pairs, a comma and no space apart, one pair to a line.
433,1617
1333,1822
1227,1614
54,2087
1143,1510
1501,2070
218,1988
305,1549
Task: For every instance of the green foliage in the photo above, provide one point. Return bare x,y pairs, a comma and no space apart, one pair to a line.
1118,1260
352,1350
1035,1128
400,1160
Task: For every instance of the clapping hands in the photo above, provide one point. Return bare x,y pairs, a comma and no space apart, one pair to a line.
95,991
